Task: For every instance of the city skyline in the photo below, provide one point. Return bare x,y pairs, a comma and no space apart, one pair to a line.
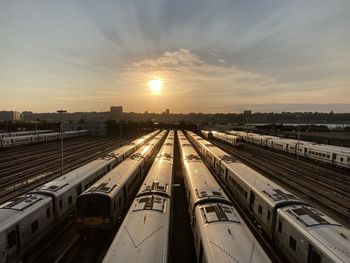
211,57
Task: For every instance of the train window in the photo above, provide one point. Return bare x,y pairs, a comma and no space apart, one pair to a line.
48,212
315,257
11,238
341,159
292,243
279,226
35,226
70,200
260,210
268,214
61,204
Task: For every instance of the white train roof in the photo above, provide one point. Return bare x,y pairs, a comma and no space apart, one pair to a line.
18,208
225,237
198,177
159,178
143,235
323,231
117,177
72,178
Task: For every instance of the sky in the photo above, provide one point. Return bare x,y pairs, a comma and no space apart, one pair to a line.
212,56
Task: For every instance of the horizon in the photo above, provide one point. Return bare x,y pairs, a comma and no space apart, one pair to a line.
196,56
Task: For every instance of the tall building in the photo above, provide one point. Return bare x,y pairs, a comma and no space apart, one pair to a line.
167,111
10,116
117,109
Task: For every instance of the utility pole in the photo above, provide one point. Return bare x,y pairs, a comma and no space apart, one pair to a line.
298,136
61,112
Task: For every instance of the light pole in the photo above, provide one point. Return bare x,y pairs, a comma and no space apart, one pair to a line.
61,112
298,136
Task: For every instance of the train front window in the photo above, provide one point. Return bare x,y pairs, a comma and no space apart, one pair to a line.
93,206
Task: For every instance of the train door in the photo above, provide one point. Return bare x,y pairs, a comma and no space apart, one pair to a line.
12,238
334,157
125,194
313,256
251,201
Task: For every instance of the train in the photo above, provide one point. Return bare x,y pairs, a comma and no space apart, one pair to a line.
100,206
220,234
22,133
301,232
221,136
41,137
26,219
145,232
329,154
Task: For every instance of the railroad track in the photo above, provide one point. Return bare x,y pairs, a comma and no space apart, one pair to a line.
297,177
20,168
8,154
11,166
30,178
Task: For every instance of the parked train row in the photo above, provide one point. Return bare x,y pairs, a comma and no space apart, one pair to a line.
336,155
301,232
100,206
220,234
228,138
35,138
25,220
144,233
22,133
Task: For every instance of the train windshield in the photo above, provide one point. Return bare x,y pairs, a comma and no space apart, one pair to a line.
93,206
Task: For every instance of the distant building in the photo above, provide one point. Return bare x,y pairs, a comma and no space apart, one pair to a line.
247,112
167,111
10,116
117,110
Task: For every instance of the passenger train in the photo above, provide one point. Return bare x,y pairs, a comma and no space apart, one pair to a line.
25,220
22,133
41,137
228,138
144,233
100,206
336,155
220,234
301,232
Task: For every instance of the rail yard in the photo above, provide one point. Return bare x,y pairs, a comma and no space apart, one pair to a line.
170,196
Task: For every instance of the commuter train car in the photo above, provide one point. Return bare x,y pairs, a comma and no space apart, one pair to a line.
40,137
23,133
219,232
26,219
207,134
331,154
23,222
144,233
302,233
100,206
306,235
228,138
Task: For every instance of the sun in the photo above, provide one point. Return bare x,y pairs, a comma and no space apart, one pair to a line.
156,86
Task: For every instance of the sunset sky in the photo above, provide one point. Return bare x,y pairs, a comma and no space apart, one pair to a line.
211,56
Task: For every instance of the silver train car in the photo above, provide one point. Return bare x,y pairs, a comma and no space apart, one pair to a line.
34,138
219,232
228,138
22,133
26,219
335,155
287,220
100,205
144,233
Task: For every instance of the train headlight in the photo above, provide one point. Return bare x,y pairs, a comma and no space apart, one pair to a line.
106,220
